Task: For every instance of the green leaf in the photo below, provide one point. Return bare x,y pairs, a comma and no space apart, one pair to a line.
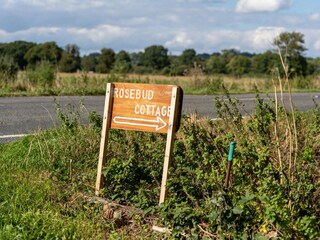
213,216
237,210
248,197
260,237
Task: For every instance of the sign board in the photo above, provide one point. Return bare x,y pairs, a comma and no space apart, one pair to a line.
143,107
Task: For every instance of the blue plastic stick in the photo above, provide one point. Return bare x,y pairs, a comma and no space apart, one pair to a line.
231,150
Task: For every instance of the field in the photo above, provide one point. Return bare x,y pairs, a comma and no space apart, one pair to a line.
51,83
47,180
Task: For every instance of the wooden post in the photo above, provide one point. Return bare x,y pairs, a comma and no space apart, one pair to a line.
104,135
169,144
230,158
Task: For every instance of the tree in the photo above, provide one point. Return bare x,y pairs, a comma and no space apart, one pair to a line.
135,57
48,51
176,69
291,47
228,54
215,65
188,57
105,60
17,51
239,65
155,57
265,62
89,63
180,64
122,62
314,66
70,60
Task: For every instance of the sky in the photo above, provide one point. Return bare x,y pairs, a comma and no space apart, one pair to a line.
132,25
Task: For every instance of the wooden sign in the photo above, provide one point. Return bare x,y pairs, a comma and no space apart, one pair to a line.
141,107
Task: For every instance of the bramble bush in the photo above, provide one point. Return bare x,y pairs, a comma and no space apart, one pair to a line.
270,194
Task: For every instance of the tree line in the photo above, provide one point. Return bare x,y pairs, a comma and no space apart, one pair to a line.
155,59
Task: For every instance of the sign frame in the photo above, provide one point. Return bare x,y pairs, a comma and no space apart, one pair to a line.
172,125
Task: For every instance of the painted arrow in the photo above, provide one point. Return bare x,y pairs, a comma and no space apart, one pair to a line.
158,123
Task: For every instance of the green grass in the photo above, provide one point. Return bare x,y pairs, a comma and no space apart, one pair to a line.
34,204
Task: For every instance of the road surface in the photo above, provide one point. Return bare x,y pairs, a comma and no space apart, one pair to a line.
24,115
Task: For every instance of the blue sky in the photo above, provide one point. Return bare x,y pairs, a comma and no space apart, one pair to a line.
132,25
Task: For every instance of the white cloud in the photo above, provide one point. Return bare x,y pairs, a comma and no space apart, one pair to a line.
98,37
69,5
100,34
246,6
312,41
263,37
181,39
30,32
317,45
315,16
257,40
3,34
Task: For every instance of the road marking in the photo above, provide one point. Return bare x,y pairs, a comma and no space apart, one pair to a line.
159,123
13,136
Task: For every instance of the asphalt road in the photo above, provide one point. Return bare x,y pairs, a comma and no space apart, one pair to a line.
24,115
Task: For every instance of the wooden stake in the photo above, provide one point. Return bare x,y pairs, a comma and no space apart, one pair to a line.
104,135
169,144
230,158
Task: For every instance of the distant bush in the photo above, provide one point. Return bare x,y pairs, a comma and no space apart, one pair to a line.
300,82
43,75
8,70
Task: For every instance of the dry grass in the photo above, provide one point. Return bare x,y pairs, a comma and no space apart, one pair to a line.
94,84
189,83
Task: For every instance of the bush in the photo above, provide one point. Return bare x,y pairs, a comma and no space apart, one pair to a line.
8,70
43,75
301,82
265,197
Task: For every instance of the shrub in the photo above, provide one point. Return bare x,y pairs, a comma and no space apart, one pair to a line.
301,82
265,197
43,75
8,70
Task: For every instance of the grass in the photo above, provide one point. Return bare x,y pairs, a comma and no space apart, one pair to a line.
44,181
34,204
94,84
